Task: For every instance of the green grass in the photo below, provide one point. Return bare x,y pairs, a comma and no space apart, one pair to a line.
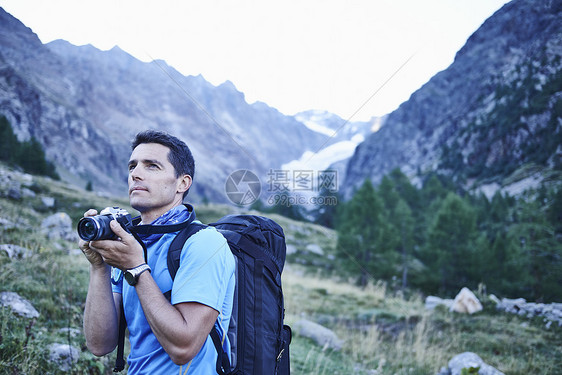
394,335
382,330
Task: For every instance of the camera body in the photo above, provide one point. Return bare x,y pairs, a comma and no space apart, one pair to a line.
97,227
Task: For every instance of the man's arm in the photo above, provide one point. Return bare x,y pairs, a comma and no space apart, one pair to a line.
101,318
100,314
181,329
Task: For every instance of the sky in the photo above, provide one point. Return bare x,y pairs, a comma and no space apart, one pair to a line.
355,58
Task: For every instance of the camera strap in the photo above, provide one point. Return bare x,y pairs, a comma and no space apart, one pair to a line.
158,229
162,229
120,360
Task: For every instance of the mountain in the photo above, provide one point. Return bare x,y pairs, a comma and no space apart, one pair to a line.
492,120
85,105
337,128
341,139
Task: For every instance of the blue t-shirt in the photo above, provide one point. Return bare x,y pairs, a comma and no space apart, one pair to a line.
206,275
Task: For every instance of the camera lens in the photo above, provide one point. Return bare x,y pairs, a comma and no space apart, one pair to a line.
88,229
95,228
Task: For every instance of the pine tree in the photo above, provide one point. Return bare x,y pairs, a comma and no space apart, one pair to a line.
361,237
506,267
540,250
8,142
406,190
404,222
31,158
400,226
554,210
451,251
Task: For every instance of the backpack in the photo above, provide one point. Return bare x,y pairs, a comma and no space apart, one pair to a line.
259,339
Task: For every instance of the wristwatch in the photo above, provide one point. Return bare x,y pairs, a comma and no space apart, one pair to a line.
132,275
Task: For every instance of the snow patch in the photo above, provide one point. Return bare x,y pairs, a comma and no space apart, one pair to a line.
321,160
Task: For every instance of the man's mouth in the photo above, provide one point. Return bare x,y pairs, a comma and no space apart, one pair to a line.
137,188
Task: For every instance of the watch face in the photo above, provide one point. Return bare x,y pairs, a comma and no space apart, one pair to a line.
130,278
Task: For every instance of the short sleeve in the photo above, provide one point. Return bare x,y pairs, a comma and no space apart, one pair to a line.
116,280
206,267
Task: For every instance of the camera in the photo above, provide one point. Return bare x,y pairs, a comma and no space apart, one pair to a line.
97,227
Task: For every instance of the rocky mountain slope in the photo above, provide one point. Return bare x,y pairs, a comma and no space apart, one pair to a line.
84,106
492,119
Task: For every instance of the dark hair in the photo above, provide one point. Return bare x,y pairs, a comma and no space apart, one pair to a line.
179,155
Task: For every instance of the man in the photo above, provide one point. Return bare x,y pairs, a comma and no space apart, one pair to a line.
167,337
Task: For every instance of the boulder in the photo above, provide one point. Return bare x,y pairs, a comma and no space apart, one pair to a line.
59,226
432,302
314,249
15,251
468,360
291,249
64,355
48,202
552,313
19,305
72,332
14,193
466,302
319,334
6,224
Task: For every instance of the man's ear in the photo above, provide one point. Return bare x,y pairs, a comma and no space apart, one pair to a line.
184,183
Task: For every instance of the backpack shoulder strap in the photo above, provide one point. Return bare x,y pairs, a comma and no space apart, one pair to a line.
174,251
223,363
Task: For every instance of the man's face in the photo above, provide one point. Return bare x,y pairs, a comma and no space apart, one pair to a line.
153,185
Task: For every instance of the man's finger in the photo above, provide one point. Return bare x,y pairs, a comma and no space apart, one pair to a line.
90,212
118,229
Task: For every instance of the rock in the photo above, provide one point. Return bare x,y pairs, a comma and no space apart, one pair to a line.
14,193
494,299
28,193
59,226
15,251
48,202
432,302
444,371
466,302
6,224
19,305
468,360
512,305
550,312
320,334
73,332
64,355
291,249
315,249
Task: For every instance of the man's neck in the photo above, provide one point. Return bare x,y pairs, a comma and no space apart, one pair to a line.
150,216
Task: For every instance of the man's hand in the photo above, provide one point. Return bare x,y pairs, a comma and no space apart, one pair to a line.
124,253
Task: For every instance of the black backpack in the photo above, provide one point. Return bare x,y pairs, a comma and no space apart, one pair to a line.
259,339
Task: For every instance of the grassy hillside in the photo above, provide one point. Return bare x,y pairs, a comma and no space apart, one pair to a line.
385,332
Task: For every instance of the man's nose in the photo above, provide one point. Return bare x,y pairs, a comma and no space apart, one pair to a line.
135,173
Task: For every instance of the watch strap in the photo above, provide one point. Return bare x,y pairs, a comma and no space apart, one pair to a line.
136,272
